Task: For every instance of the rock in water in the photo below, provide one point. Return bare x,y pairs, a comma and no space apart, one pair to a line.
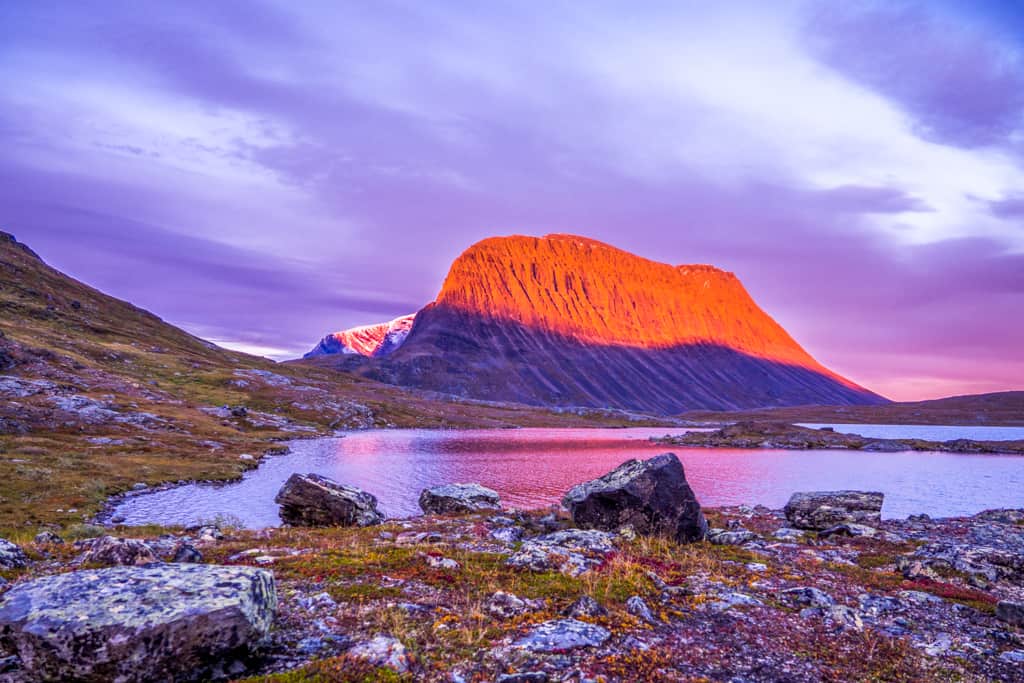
312,500
651,496
125,624
459,498
824,509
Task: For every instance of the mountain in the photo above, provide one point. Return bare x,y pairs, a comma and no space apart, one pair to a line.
367,340
97,395
563,320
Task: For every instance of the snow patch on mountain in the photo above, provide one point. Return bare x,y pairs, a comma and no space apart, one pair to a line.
376,340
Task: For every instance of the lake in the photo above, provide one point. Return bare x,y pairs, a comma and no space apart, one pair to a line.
533,468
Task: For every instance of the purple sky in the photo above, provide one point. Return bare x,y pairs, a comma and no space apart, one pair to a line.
261,174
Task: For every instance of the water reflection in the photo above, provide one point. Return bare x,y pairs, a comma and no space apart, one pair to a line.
534,467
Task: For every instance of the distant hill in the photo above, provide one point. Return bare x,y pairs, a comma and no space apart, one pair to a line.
563,320
1004,408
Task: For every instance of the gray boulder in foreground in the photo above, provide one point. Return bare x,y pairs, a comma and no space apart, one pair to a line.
824,509
312,500
124,624
651,496
459,498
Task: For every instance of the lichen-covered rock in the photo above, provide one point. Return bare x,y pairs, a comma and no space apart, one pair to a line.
458,498
126,624
382,651
313,500
650,496
571,551
109,550
821,510
11,556
730,536
562,634
585,606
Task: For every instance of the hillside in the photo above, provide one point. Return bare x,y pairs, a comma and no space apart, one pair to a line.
97,395
568,321
1004,408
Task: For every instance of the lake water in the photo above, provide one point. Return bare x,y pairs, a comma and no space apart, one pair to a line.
533,468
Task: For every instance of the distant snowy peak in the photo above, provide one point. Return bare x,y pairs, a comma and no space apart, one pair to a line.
377,340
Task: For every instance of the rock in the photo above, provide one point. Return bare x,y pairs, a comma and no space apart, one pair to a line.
507,534
825,509
383,651
585,606
846,618
1013,656
108,550
48,538
787,534
11,556
159,622
505,605
208,533
139,486
849,529
571,551
562,634
459,499
912,568
730,537
1010,612
729,600
808,596
248,457
438,562
638,608
187,553
312,500
651,496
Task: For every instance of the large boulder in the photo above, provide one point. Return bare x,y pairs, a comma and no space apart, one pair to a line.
821,510
312,500
459,498
159,622
651,496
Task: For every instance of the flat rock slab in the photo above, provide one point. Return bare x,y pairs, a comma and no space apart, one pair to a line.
822,510
312,500
126,624
562,634
571,551
650,496
459,498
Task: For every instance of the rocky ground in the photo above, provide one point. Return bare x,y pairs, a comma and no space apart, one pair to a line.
792,437
513,596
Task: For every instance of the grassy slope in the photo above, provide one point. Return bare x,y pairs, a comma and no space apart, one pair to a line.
1002,409
92,347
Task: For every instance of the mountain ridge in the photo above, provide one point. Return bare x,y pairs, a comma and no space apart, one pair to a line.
565,320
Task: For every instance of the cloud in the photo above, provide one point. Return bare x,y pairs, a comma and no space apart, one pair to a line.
266,172
962,84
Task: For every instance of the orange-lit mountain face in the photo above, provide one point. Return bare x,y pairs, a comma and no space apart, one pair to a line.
566,320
